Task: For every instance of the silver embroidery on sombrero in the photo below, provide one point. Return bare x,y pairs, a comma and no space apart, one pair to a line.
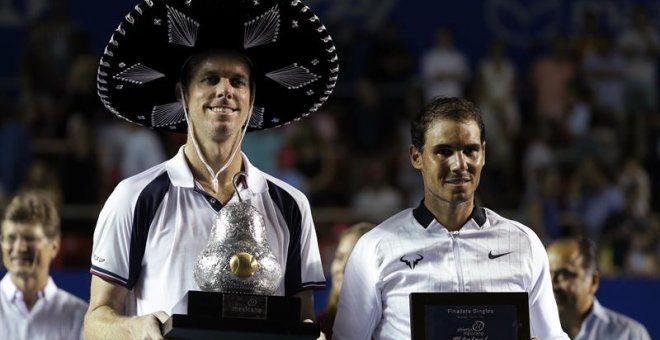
257,117
262,29
138,74
182,30
293,76
168,114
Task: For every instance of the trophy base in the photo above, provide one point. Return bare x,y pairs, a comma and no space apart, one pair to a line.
215,315
180,326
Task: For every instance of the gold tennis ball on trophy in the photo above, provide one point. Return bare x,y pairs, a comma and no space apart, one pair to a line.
243,265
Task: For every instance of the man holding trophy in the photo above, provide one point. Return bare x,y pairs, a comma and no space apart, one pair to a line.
215,69
446,244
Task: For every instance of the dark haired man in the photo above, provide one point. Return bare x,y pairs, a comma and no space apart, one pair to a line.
575,279
447,243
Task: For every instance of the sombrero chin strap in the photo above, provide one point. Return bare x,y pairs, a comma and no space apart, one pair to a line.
214,176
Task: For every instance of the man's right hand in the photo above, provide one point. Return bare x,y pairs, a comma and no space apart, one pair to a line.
147,327
105,319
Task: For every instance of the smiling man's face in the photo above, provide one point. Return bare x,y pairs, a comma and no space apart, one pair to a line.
450,161
218,96
26,251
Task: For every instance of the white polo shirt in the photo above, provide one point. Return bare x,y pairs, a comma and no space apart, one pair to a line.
57,315
412,252
154,225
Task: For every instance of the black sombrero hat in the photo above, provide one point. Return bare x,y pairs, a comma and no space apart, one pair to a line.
294,60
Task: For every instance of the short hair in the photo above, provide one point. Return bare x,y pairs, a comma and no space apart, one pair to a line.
451,108
587,249
34,207
193,62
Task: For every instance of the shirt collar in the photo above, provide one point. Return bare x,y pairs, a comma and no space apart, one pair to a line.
424,217
12,293
598,311
181,176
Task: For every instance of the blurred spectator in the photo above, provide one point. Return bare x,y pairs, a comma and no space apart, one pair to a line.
640,45
142,149
382,94
575,280
376,199
580,112
80,165
623,229
445,69
538,154
31,305
347,241
541,205
588,28
316,160
497,102
81,96
603,72
53,45
286,169
633,175
42,177
262,148
550,78
641,260
598,196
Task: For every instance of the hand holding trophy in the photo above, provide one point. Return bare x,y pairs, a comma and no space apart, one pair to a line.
232,262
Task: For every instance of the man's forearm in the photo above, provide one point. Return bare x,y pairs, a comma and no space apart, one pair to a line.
104,323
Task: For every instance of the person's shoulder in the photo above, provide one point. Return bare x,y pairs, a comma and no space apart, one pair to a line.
133,185
389,228
71,302
498,221
623,323
276,184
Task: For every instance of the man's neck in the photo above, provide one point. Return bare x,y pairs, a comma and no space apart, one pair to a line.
215,159
451,216
573,324
30,286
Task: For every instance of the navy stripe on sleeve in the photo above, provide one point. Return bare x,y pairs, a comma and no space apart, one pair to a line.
291,213
145,209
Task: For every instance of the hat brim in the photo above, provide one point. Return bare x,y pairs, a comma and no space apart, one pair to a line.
295,64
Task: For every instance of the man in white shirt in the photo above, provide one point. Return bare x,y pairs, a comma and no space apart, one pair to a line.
31,305
447,243
230,67
445,70
575,278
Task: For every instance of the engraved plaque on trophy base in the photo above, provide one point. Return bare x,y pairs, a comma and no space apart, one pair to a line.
214,315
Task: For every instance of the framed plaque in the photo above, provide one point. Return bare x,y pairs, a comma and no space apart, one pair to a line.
459,316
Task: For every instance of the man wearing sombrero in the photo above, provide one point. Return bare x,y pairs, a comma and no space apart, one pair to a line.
214,69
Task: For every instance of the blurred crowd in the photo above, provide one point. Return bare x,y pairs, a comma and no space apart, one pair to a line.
573,135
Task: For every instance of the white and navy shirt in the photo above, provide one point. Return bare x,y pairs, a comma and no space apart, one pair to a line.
154,225
412,252
605,324
57,315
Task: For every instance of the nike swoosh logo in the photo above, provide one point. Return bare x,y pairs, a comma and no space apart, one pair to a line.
491,256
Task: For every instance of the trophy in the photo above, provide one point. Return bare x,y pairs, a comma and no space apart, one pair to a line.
239,275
